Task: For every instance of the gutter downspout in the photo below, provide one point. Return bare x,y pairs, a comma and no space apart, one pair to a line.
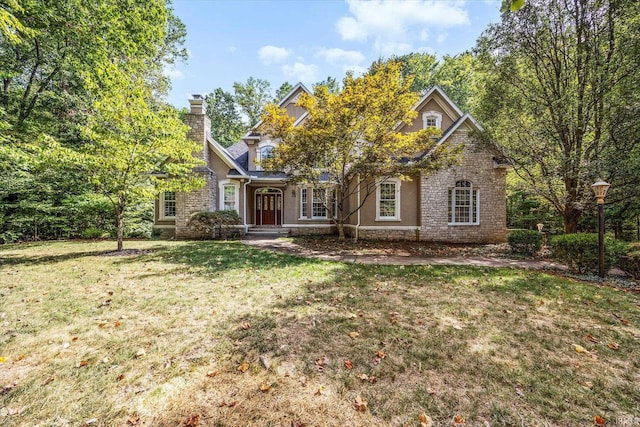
358,224
244,219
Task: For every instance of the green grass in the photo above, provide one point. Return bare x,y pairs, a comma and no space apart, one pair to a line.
132,338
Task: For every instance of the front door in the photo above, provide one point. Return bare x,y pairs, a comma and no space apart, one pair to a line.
269,208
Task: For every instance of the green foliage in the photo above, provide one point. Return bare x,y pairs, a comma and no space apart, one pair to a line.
331,83
217,224
526,242
550,94
251,97
580,251
282,91
226,125
94,233
630,263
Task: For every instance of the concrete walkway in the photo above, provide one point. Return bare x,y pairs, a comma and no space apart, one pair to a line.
272,243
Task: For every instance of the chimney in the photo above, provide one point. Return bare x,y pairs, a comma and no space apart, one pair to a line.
198,104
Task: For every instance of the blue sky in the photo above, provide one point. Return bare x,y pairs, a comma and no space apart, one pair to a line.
308,40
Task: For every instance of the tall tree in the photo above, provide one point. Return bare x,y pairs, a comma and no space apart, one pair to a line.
252,96
456,75
558,72
332,84
132,139
226,124
282,91
352,138
419,67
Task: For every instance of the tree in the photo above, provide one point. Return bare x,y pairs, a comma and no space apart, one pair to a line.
456,75
133,139
557,76
226,125
332,84
252,96
420,67
282,91
352,138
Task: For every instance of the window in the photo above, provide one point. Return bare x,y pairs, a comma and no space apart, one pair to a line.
265,149
431,119
229,196
265,152
388,200
168,205
303,203
319,203
464,204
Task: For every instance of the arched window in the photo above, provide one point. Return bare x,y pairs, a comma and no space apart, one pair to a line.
464,204
265,152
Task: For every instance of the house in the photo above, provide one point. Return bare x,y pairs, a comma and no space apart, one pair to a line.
465,203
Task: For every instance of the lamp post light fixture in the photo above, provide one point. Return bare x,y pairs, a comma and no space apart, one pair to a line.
600,189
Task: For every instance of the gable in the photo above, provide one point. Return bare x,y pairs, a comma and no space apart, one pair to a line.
436,101
289,102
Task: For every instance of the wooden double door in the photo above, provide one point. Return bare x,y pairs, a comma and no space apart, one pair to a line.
268,207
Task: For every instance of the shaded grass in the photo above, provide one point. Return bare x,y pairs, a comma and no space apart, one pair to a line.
117,338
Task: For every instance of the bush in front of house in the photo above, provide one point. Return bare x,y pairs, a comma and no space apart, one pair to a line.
580,251
630,263
525,242
218,224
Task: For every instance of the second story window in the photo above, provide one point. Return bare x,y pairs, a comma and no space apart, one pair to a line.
431,119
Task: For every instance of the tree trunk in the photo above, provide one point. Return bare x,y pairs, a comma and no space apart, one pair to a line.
120,225
340,226
571,216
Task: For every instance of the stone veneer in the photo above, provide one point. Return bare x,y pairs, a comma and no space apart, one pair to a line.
379,234
205,198
477,167
312,231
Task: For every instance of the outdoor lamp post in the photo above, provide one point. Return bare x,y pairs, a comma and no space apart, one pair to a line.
600,189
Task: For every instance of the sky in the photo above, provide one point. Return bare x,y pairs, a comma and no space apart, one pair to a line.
307,40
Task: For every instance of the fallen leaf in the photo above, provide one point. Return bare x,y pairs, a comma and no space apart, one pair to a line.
192,421
320,391
66,345
588,384
297,423
360,404
431,391
354,334
232,404
580,349
51,379
458,421
303,381
107,359
364,377
352,316
19,358
425,420
120,377
592,338
117,324
265,387
83,363
3,359
519,391
74,339
244,366
613,346
212,374
599,421
372,379
246,325
101,325
140,352
381,354
348,364
133,420
89,422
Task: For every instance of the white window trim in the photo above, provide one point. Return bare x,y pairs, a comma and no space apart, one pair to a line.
398,183
475,205
326,198
436,114
300,203
221,186
161,215
261,145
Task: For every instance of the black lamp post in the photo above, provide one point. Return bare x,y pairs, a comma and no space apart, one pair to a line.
600,189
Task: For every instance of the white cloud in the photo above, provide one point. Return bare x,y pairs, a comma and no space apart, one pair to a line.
442,37
269,54
395,24
173,73
334,55
301,72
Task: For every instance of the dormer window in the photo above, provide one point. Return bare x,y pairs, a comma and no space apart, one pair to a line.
265,149
431,119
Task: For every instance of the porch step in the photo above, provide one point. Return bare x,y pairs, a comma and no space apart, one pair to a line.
263,231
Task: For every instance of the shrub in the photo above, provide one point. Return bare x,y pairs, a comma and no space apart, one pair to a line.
580,251
630,263
526,242
217,224
94,233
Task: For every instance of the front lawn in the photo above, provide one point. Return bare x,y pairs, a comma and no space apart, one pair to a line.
221,334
